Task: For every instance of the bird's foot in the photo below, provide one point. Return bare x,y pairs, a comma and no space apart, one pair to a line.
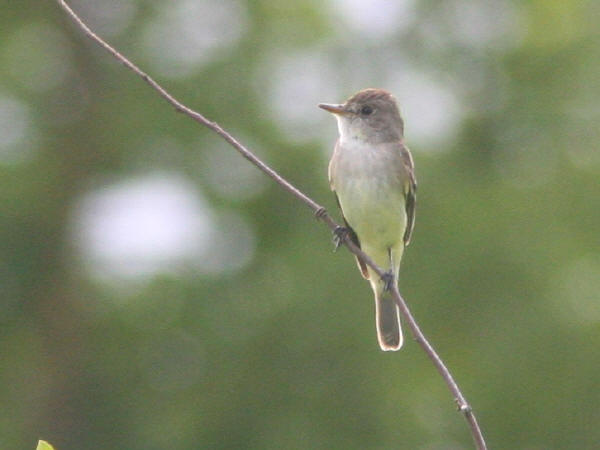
339,235
388,280
320,213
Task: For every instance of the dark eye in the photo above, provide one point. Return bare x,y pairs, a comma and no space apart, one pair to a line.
366,110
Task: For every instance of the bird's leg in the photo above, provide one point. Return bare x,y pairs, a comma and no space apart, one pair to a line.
388,277
388,280
339,235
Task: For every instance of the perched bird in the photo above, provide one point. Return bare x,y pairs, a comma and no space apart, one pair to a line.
372,174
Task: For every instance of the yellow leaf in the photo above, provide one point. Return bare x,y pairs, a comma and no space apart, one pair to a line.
43,445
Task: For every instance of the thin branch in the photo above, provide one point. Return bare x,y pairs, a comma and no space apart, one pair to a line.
317,209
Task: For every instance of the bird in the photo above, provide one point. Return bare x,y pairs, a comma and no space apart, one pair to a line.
371,173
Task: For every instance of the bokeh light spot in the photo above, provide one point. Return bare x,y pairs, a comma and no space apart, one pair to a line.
188,33
376,19
142,226
296,83
432,113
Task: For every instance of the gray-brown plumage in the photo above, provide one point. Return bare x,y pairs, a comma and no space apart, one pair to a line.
372,174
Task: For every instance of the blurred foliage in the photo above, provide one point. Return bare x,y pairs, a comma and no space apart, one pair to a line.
278,350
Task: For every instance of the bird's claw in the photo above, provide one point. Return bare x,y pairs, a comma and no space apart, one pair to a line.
320,213
339,235
388,280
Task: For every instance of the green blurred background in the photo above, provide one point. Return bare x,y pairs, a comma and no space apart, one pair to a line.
158,292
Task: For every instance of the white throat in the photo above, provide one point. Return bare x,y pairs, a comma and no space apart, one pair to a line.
350,130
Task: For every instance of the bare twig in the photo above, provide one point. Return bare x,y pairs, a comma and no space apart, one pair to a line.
317,209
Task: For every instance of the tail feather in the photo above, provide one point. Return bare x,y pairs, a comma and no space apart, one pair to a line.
387,320
387,313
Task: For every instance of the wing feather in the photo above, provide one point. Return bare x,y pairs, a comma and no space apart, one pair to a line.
410,192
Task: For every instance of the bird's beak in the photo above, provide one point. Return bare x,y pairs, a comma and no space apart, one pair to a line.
335,109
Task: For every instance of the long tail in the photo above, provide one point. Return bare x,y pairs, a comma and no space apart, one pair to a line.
387,313
387,320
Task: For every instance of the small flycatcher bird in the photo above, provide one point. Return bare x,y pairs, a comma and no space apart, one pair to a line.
372,174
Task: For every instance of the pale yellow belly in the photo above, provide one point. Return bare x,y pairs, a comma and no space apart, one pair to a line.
375,211
369,183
